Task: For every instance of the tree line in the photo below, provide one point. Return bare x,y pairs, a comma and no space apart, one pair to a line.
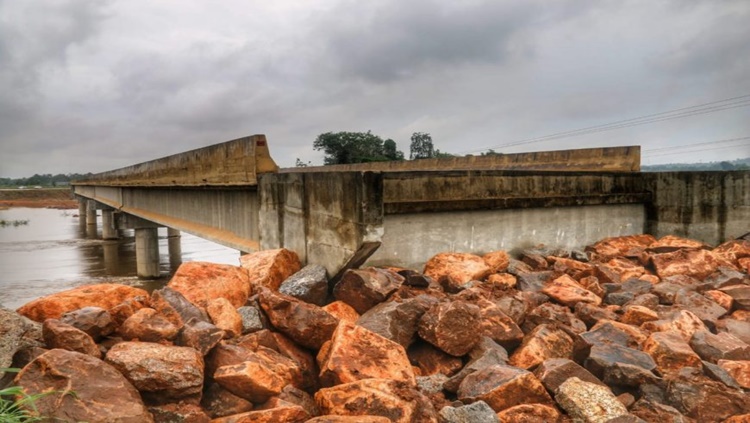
45,180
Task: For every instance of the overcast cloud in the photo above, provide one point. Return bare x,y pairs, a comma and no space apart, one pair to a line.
92,85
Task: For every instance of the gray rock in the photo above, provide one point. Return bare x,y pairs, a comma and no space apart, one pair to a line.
252,321
477,412
16,332
588,402
309,285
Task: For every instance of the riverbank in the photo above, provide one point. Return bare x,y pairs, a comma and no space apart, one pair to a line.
51,198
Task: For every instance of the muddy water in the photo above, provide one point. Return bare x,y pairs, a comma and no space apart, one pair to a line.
53,252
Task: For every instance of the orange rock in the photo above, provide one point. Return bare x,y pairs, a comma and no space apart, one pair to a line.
569,266
60,335
744,264
431,360
147,325
670,352
652,279
175,307
637,315
544,342
179,412
262,374
306,324
622,246
720,298
287,413
457,268
502,280
105,296
225,316
342,311
684,323
565,290
669,243
502,387
738,369
269,268
218,402
200,282
497,261
453,327
497,325
355,353
530,413
696,263
625,268
734,251
349,419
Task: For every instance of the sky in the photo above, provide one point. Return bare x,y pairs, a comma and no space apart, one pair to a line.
94,85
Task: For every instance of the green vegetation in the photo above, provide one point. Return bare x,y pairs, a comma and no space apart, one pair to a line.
46,180
356,147
16,406
738,164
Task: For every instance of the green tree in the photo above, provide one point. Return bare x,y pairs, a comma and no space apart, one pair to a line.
390,150
421,146
354,147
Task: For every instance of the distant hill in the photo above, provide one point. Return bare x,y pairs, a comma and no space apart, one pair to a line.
739,164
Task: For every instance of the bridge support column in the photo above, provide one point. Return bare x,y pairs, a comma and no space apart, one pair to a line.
109,231
91,228
82,203
147,253
111,258
175,248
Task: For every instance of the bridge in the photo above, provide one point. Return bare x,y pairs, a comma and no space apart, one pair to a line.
402,213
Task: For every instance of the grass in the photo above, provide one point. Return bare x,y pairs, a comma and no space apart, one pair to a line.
19,407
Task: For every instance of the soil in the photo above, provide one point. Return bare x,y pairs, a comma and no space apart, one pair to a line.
51,198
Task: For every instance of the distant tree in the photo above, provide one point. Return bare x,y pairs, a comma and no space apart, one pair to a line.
390,150
421,146
354,147
442,155
726,166
491,152
300,163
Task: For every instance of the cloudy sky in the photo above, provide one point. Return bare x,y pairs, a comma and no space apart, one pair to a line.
93,85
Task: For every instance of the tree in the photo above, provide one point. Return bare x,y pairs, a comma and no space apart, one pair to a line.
355,147
421,146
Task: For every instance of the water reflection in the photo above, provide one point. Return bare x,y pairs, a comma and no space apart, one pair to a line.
55,252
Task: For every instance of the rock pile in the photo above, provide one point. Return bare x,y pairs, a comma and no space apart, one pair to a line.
632,329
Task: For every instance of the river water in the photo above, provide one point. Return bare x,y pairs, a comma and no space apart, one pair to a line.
53,252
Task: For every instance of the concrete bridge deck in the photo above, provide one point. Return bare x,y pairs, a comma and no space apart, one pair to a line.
232,194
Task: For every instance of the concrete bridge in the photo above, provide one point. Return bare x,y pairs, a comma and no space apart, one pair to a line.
402,213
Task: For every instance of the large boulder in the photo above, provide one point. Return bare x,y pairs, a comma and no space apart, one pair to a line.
310,285
588,402
542,343
60,335
306,324
149,326
456,269
269,268
106,296
365,288
175,307
14,335
696,263
453,327
95,321
79,387
503,387
621,246
200,282
397,320
225,316
565,290
262,374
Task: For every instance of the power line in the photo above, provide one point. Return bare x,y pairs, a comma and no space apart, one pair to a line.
683,151
649,151
710,107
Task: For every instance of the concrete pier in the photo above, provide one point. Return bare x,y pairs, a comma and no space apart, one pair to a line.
174,244
109,231
147,253
91,213
82,202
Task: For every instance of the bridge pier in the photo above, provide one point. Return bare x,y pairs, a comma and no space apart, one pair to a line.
175,248
82,202
147,253
109,231
91,219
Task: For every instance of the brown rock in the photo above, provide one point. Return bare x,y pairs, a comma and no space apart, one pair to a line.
457,268
555,314
722,346
95,321
544,342
199,335
554,371
292,395
101,392
696,263
310,285
590,314
738,369
342,311
286,413
218,402
637,315
306,324
127,308
720,298
484,355
60,335
200,282
530,413
652,411
262,374
611,332
705,309
356,353
626,269
609,357
570,267
269,268
497,325
397,320
149,326
175,307
734,250
182,413
738,328
670,352
497,261
287,348
622,246
740,294
364,288
502,280
225,316
105,296
565,290
535,259
159,372
397,401
453,327
588,402
703,399
502,387
431,360
349,419
684,323
669,243
533,281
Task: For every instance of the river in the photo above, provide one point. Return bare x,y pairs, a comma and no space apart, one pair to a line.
52,253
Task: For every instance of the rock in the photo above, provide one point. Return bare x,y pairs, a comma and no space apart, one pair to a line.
95,321
101,392
127,308
342,311
570,267
738,328
497,325
310,285
588,402
740,294
397,320
263,373
200,282
497,261
431,360
535,259
455,269
544,342
652,411
705,309
364,288
717,373
199,335
14,331
622,246
105,296
287,348
225,316
159,372
637,315
611,332
696,263
554,314
175,307
610,356
356,353
530,413
683,323
565,290
286,413
738,369
306,324
734,250
590,314
269,268
670,352
533,281
60,335
669,243
703,399
218,402
502,280
292,395
487,358
453,327
722,346
592,284
554,371
503,387
252,321
147,325
478,412
349,419
397,401
182,413
720,298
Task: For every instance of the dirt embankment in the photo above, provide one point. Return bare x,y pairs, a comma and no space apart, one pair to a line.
55,198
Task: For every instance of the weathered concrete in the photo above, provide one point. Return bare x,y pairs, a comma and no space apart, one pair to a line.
109,230
91,213
147,252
